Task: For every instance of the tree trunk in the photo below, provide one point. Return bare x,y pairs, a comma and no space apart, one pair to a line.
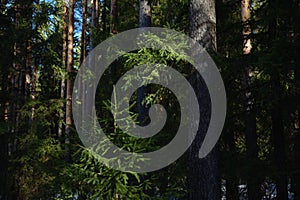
253,182
4,159
63,83
70,77
103,16
144,21
95,21
83,32
278,138
277,133
28,68
145,13
34,75
33,89
232,175
296,128
113,16
83,52
204,180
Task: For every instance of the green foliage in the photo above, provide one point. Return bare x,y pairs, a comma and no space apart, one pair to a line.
32,154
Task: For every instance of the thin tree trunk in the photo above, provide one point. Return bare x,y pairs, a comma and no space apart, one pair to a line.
96,14
5,117
113,16
253,182
81,88
278,138
231,180
70,77
63,83
4,158
95,21
144,21
296,128
33,90
28,68
94,6
16,81
34,74
89,94
204,180
83,31
103,16
277,133
145,13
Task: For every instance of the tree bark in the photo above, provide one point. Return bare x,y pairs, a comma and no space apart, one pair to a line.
278,139
95,17
253,182
204,180
104,15
83,31
145,13
5,117
70,77
277,132
296,128
232,175
63,82
113,16
144,21
83,45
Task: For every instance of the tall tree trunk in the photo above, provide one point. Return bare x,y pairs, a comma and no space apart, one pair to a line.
34,73
63,82
103,16
204,180
83,45
70,77
4,115
4,104
253,182
278,138
113,16
144,21
96,14
83,31
277,133
89,94
95,22
296,157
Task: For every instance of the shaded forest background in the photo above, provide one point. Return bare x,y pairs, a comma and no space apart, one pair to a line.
42,46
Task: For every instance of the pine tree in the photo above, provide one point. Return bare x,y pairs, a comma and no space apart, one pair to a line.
70,79
253,182
204,180
63,82
113,16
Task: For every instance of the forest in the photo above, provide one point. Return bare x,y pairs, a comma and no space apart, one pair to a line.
255,46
